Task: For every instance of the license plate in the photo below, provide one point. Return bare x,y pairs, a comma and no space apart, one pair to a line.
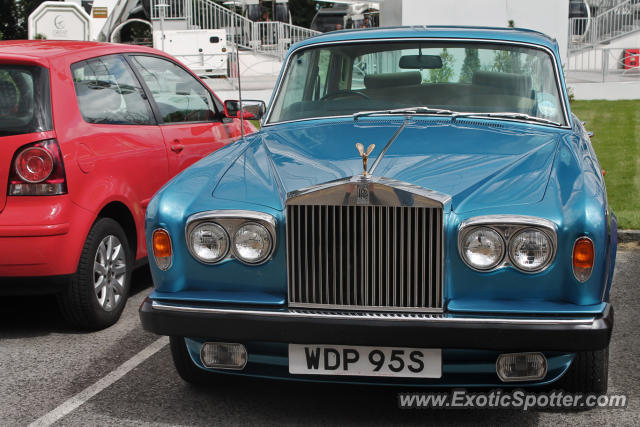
311,359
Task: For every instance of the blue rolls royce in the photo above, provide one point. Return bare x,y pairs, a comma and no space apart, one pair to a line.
420,207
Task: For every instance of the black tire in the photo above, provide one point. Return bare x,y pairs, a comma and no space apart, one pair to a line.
589,373
79,303
188,370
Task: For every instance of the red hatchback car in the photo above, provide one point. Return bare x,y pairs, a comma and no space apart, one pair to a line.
88,133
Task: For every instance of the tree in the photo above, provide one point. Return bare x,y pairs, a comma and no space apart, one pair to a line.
507,61
470,65
444,73
302,12
24,8
9,17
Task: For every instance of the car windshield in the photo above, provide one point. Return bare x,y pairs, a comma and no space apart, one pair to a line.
345,79
25,106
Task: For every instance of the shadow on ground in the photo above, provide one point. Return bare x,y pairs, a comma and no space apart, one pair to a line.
24,316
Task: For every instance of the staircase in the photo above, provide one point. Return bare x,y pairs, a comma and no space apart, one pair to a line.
271,38
619,20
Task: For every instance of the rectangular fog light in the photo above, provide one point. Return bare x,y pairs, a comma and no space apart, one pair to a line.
221,355
521,367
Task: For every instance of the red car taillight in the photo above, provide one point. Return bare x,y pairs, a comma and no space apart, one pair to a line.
37,170
34,165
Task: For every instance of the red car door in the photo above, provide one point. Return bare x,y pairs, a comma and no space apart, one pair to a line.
118,136
191,123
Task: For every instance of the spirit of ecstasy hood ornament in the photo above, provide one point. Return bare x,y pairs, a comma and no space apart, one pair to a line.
365,156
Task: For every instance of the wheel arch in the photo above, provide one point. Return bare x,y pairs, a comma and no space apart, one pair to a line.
120,213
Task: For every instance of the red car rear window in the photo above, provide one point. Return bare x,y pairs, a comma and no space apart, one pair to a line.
25,103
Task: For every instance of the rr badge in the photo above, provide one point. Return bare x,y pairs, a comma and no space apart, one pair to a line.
362,194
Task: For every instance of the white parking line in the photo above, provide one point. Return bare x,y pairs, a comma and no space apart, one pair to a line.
79,399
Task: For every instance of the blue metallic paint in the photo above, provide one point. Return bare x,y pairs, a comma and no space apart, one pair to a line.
487,166
519,169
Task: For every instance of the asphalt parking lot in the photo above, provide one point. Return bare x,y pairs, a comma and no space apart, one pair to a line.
52,373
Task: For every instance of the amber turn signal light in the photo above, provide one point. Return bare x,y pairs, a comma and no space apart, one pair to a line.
583,258
162,252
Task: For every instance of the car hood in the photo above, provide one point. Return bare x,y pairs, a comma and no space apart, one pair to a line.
478,163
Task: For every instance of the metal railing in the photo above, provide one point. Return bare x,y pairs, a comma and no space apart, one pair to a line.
616,22
603,65
172,9
274,37
271,38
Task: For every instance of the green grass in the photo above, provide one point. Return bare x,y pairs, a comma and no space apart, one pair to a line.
616,127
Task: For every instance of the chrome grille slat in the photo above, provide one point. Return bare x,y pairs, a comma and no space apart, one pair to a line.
437,270
429,258
326,264
376,258
395,256
313,253
364,276
348,291
335,287
416,284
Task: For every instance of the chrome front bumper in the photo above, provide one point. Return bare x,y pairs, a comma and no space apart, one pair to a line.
565,334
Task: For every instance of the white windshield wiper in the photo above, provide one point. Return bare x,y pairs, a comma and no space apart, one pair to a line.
507,115
409,110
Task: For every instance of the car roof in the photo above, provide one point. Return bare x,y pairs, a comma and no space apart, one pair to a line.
47,49
517,35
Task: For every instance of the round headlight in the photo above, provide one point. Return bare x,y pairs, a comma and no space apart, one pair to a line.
530,249
252,243
209,242
482,248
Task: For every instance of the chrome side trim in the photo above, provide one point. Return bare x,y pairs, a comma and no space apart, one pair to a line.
507,226
231,220
559,86
309,314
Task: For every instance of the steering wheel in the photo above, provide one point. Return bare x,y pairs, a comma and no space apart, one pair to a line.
343,93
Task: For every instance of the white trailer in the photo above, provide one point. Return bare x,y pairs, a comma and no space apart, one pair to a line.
203,51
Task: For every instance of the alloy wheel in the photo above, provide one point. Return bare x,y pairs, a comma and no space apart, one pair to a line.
109,272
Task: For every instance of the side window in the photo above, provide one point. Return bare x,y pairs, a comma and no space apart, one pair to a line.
179,97
109,93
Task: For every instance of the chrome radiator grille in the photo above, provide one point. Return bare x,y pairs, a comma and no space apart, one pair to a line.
365,257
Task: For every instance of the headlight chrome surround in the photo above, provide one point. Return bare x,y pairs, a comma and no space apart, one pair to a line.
509,226
231,221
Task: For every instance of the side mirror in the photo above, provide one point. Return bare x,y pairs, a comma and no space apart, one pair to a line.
251,109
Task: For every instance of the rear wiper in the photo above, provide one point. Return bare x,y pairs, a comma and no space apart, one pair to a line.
409,110
508,115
